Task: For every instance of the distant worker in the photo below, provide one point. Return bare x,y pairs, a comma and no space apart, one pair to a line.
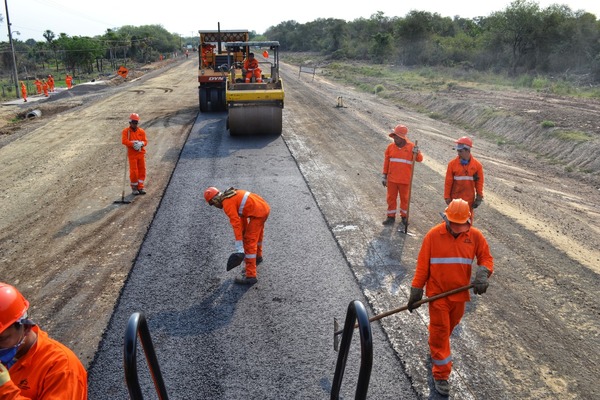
38,85
444,263
397,171
50,83
134,138
251,68
464,176
24,91
34,366
45,87
247,214
69,81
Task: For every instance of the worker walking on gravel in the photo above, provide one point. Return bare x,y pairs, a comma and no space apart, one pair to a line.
34,366
464,176
38,85
252,69
444,263
50,83
397,172
24,91
69,81
45,87
134,138
247,214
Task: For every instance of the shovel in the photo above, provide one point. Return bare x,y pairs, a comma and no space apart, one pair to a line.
337,331
123,201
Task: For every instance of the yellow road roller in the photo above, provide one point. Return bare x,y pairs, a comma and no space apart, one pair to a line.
254,92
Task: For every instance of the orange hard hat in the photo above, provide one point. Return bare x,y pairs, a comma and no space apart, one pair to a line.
210,193
134,117
265,54
400,131
13,306
458,212
465,141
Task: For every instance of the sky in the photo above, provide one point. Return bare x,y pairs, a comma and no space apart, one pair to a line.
31,18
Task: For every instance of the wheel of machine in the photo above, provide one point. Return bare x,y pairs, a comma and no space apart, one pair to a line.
255,120
203,100
222,101
214,99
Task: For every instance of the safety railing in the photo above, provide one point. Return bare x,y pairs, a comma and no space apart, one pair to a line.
356,311
137,326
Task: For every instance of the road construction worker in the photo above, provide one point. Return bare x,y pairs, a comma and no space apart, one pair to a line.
34,366
38,85
45,87
134,138
50,83
24,91
444,264
464,176
69,81
252,69
397,171
247,214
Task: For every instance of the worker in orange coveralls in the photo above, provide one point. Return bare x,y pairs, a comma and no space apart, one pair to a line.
45,87
69,81
34,366
397,172
38,85
24,91
135,139
251,68
464,176
444,263
247,214
50,83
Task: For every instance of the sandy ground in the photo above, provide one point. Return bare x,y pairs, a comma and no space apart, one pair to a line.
535,334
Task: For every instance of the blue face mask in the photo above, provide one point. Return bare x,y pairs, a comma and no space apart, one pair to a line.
7,356
464,162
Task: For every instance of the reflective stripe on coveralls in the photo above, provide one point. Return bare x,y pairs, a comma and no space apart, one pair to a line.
401,160
243,203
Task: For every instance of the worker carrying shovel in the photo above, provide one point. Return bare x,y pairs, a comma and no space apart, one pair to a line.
134,138
397,173
247,214
443,264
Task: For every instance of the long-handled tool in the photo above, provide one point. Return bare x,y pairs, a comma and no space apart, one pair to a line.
412,173
337,331
123,201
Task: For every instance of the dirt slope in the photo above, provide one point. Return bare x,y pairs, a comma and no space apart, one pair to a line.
535,334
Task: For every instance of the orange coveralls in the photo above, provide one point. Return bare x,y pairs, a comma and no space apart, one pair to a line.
464,181
137,159
247,214
397,165
24,92
38,86
251,67
443,264
69,81
51,83
45,88
49,370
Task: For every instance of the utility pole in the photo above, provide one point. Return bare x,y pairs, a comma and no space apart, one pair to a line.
12,47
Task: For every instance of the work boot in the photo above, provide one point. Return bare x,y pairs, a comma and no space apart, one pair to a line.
135,192
442,387
389,221
141,191
244,280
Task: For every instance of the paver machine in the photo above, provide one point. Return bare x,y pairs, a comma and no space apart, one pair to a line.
254,106
213,67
